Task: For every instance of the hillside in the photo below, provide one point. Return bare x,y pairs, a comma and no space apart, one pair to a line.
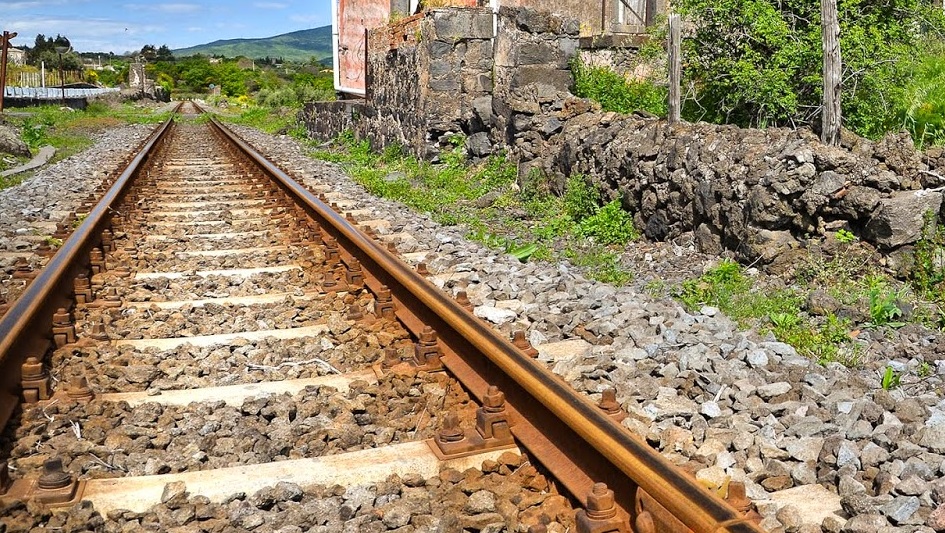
296,46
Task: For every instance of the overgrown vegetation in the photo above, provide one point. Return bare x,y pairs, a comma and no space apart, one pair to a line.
531,222
615,92
758,63
69,131
823,308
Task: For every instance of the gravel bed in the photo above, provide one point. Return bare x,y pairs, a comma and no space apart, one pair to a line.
164,289
505,495
108,439
29,211
214,319
178,262
345,347
697,388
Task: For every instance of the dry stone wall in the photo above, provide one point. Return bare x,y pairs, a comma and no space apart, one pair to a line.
755,192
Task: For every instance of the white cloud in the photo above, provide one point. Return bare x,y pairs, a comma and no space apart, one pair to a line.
173,8
314,19
91,35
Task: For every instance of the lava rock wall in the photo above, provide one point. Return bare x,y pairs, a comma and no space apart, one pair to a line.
755,192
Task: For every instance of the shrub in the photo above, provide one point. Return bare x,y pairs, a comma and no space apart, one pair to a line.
617,93
610,225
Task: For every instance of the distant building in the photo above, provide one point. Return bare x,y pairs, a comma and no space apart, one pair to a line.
614,20
16,56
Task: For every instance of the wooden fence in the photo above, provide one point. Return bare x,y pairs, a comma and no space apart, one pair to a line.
34,79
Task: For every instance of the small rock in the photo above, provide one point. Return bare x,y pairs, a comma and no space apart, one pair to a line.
481,501
773,389
496,315
865,523
936,519
757,358
711,409
901,509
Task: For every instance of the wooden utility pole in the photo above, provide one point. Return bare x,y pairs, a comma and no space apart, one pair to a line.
4,48
675,69
830,118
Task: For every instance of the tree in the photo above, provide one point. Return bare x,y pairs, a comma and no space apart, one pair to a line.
148,52
164,54
758,62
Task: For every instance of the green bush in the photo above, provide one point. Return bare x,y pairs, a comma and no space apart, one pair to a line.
610,225
615,92
758,63
580,198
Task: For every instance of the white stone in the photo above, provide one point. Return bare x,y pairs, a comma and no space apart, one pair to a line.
496,315
711,409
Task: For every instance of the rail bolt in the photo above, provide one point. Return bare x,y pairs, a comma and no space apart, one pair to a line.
600,513
492,421
63,328
354,276
79,389
422,269
427,350
34,381
82,287
463,300
391,357
355,312
738,498
97,261
518,339
451,431
608,404
98,331
384,304
54,477
24,270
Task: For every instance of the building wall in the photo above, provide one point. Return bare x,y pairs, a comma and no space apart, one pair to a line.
354,17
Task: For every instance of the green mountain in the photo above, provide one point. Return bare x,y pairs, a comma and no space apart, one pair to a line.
296,46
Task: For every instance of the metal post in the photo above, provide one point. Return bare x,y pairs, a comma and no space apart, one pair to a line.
62,80
63,47
675,69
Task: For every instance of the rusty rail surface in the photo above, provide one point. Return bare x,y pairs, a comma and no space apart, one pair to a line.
26,329
573,438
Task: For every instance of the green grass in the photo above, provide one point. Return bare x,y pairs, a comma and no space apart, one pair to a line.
780,312
268,120
70,132
530,223
864,296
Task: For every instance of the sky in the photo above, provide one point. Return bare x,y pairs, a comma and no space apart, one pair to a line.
122,26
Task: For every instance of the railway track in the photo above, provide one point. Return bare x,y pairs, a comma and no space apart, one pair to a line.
212,326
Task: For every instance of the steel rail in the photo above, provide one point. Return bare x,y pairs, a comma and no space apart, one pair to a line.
26,328
571,436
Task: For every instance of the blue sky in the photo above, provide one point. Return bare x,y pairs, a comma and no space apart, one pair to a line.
121,26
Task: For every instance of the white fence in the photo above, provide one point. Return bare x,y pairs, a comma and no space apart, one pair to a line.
52,93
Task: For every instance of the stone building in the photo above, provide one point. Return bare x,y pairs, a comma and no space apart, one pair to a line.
16,56
601,24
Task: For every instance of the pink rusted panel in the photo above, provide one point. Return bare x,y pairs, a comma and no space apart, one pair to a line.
354,16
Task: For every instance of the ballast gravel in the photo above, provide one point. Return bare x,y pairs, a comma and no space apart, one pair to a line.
737,405
729,404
